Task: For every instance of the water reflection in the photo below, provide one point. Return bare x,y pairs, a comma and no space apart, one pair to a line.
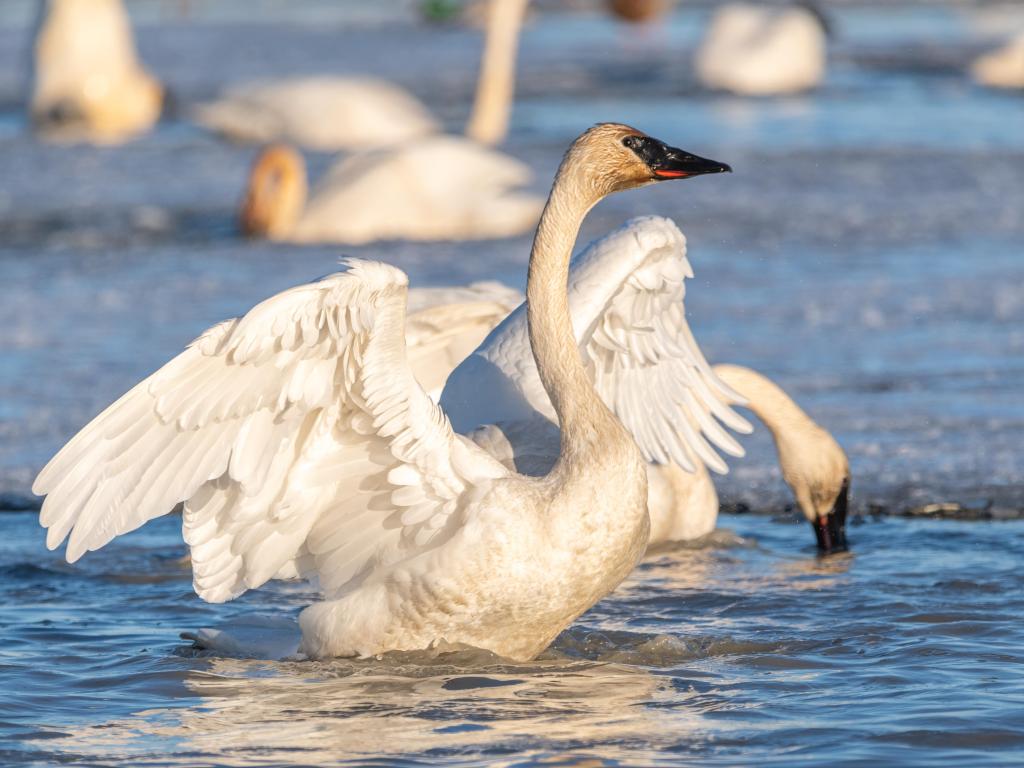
454,704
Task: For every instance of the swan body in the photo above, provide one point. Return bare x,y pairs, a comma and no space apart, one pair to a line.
302,445
626,292
1002,68
88,82
441,188
320,113
433,187
757,51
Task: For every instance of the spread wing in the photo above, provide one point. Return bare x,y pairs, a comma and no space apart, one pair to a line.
645,361
626,294
297,437
449,324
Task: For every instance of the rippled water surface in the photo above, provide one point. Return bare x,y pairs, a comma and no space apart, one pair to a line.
866,253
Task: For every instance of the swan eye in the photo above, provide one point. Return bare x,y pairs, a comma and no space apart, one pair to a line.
633,142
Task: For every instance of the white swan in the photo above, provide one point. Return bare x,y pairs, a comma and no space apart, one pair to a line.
1003,67
626,295
756,51
440,188
88,83
300,443
332,113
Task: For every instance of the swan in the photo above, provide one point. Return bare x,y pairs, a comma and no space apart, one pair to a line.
757,51
626,295
1003,67
88,83
301,444
441,188
638,11
330,113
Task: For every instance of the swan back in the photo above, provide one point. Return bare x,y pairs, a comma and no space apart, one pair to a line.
442,188
754,50
276,193
322,113
88,82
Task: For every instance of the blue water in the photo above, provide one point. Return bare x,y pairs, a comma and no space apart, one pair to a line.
866,253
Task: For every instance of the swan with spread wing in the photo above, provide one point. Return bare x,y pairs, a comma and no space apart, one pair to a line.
626,293
302,445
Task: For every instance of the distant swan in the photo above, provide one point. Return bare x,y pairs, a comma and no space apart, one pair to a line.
1003,67
758,51
301,444
333,113
439,187
88,84
626,296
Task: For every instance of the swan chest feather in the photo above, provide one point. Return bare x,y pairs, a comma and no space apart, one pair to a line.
528,557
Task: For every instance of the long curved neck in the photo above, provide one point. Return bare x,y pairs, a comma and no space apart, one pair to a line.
584,419
276,195
494,89
772,406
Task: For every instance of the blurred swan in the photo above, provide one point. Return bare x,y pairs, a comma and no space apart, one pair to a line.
301,444
1002,68
439,188
626,292
330,113
753,50
637,11
88,83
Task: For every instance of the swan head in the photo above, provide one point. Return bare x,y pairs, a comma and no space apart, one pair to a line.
276,193
818,472
617,157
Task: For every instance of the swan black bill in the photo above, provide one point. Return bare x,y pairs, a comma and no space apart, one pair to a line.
668,162
830,531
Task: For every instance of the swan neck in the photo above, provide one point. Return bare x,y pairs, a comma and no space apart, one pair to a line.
584,419
276,195
769,402
489,120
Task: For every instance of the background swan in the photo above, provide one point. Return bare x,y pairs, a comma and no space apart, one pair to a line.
301,443
440,188
331,113
626,292
1003,67
88,83
757,51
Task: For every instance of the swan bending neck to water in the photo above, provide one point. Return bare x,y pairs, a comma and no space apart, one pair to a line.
813,464
301,444
87,80
626,292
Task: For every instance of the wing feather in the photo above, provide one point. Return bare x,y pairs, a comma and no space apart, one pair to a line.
279,431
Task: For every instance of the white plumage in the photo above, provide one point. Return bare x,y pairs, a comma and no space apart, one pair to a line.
1003,67
439,188
756,51
323,113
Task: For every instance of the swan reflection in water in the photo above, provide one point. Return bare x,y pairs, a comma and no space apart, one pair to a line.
464,702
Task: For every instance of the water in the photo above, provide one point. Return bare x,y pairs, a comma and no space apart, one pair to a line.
866,254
